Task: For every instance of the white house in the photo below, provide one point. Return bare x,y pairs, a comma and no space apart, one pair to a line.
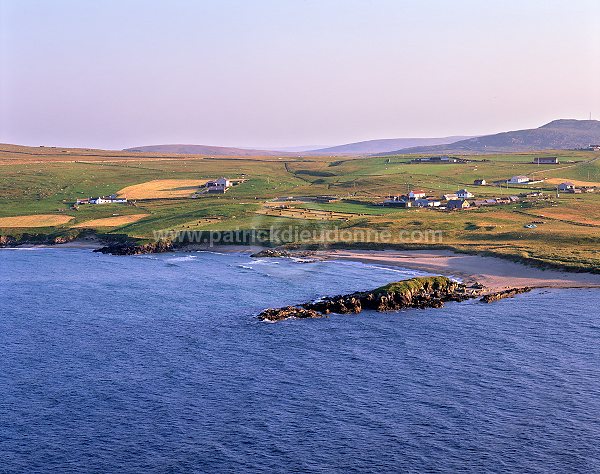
112,199
218,185
463,194
417,194
518,180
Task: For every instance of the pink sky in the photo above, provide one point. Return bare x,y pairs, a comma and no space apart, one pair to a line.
267,73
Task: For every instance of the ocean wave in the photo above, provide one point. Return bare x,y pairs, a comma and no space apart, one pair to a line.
264,261
303,260
186,258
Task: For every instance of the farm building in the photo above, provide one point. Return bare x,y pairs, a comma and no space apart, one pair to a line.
218,186
439,159
495,201
546,160
480,182
426,203
324,199
518,180
566,186
485,202
503,200
112,199
449,197
463,194
457,204
417,194
399,201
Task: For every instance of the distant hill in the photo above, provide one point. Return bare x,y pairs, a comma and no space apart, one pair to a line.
384,145
359,148
206,150
561,134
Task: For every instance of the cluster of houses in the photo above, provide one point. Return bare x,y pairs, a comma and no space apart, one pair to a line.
454,201
112,199
568,187
415,198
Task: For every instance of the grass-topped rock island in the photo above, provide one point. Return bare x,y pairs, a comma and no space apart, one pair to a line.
419,292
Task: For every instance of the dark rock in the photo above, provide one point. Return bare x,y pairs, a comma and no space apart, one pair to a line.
491,297
282,253
7,241
36,239
279,314
131,248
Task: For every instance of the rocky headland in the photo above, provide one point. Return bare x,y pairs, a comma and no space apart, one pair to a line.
420,292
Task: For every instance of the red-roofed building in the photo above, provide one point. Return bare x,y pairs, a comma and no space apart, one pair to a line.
417,194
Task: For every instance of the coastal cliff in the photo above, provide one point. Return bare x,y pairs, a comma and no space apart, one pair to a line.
420,292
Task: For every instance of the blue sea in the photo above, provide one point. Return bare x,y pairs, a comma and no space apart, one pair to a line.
157,364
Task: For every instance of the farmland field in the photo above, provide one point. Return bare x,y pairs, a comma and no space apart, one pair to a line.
35,220
162,188
39,185
115,221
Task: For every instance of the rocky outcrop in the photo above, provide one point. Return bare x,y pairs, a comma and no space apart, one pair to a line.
131,248
7,241
279,314
491,297
36,239
282,253
421,292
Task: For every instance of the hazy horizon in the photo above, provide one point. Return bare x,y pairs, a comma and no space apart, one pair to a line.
269,74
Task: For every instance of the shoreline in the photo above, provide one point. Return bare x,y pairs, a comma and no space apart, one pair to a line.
494,273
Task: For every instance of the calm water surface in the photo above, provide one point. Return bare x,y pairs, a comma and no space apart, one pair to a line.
157,364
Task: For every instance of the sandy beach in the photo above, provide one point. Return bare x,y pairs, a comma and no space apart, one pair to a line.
495,273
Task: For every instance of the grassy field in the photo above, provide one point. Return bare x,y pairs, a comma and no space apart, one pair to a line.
39,185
